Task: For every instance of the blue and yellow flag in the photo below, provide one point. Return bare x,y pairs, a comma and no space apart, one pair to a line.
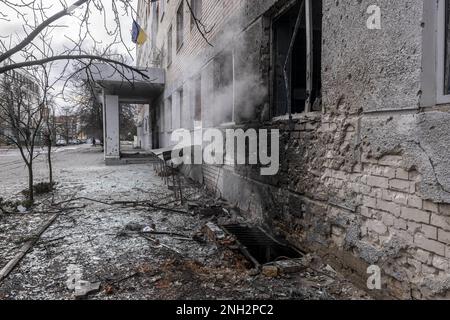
138,34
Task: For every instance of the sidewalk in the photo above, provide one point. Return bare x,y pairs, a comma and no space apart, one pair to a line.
106,245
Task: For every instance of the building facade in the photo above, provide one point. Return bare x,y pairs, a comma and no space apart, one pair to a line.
364,176
21,86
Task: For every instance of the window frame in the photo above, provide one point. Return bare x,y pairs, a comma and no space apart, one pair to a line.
180,32
441,97
433,55
196,5
169,46
309,54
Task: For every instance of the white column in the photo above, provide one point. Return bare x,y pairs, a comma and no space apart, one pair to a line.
111,126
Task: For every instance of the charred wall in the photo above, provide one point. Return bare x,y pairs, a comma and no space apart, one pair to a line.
365,181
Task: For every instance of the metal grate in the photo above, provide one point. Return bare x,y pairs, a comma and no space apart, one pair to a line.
261,247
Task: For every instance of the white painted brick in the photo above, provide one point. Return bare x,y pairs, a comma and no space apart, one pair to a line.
415,215
440,221
366,212
394,161
400,224
402,174
400,198
405,236
423,256
428,270
386,195
378,182
388,219
370,202
416,264
377,226
364,189
388,207
444,236
382,171
413,227
430,206
377,192
429,245
415,202
440,263
429,231
444,209
400,185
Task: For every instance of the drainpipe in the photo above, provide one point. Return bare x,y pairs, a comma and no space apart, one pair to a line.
286,63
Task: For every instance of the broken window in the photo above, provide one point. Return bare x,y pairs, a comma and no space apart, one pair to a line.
197,10
447,49
169,46
162,9
180,25
169,114
297,47
182,113
198,101
223,88
162,117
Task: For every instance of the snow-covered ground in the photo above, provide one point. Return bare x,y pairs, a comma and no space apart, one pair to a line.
104,243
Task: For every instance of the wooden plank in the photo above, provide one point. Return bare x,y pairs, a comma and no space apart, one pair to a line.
25,248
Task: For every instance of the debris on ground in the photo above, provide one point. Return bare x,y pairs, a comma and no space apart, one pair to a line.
123,235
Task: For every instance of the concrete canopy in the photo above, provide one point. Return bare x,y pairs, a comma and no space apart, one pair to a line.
116,85
130,86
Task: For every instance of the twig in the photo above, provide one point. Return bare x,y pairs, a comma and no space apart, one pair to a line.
161,233
25,248
160,244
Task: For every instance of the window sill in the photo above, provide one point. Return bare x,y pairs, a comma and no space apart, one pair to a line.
179,47
227,124
296,116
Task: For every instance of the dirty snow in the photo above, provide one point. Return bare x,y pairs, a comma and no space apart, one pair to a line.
102,243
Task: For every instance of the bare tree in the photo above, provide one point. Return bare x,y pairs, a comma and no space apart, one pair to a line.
22,113
34,49
35,46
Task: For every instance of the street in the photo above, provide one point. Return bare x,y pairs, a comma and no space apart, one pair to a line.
133,252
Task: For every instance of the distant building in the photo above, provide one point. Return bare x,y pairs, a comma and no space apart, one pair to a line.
67,127
23,84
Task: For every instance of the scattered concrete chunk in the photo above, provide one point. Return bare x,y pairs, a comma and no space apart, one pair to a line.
214,232
270,271
289,266
84,288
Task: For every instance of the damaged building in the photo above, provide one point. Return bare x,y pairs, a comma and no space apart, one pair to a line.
363,116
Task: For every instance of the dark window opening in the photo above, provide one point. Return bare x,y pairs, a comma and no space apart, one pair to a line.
198,99
196,6
169,47
223,88
297,66
447,48
181,109
180,25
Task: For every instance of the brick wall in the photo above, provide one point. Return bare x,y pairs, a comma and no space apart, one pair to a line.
354,185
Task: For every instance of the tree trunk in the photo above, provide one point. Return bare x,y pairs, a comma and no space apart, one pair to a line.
50,165
30,183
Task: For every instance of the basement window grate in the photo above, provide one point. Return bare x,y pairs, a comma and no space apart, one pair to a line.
260,247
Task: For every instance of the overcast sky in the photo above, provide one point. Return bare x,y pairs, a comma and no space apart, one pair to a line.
70,27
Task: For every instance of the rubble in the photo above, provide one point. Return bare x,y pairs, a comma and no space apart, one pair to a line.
123,251
270,271
84,288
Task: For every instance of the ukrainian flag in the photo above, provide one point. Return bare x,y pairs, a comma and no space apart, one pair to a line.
138,34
